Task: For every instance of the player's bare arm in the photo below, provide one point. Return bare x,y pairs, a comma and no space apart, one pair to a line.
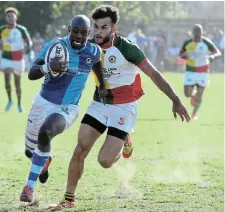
165,87
28,46
183,52
98,70
39,68
215,53
35,70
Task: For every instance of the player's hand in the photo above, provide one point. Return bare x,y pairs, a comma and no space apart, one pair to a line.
211,58
31,56
57,65
179,108
102,93
184,55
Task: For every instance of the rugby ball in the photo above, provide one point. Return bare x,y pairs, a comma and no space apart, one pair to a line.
59,50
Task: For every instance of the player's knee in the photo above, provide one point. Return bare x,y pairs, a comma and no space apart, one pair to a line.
79,153
84,143
187,93
28,153
104,162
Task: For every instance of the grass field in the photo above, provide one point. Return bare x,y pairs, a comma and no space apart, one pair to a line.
175,166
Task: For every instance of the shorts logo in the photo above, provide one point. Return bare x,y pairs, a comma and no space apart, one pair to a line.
121,121
66,110
112,59
88,60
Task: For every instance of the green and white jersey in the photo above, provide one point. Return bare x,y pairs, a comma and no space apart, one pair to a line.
121,63
13,41
198,52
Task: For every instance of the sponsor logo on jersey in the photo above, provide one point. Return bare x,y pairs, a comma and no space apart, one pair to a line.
76,70
108,72
121,121
112,59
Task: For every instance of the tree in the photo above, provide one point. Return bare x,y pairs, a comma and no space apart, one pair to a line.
34,15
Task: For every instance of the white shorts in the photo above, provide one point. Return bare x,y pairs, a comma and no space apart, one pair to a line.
120,116
196,78
40,110
18,66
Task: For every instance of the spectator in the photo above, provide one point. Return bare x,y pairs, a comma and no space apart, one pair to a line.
38,44
141,40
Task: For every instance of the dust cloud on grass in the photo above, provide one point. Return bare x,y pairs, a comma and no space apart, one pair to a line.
181,165
125,173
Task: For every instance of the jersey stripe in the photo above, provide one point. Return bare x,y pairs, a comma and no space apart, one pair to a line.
123,94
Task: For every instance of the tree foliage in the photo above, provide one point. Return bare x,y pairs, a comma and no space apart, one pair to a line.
45,16
34,15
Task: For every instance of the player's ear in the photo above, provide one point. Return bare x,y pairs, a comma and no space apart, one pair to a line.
114,29
69,28
88,33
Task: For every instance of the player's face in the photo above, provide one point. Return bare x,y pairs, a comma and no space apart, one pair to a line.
10,18
197,32
102,30
78,36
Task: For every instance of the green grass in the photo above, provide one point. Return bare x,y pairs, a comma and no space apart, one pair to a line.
175,166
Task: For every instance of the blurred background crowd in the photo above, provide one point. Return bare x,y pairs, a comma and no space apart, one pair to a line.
158,28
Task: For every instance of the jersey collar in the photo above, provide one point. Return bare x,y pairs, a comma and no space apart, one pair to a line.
11,27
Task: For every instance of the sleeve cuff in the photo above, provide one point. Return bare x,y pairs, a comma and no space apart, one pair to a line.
142,63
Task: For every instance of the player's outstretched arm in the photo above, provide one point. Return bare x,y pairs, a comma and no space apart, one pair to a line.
35,70
98,70
165,87
214,51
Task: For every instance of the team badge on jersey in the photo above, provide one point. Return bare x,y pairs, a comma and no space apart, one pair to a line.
112,59
88,60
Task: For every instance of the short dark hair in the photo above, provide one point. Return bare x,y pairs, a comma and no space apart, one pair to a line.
11,9
106,11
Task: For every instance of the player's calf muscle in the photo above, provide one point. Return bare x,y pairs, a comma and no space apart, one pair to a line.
198,100
110,151
53,126
44,138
